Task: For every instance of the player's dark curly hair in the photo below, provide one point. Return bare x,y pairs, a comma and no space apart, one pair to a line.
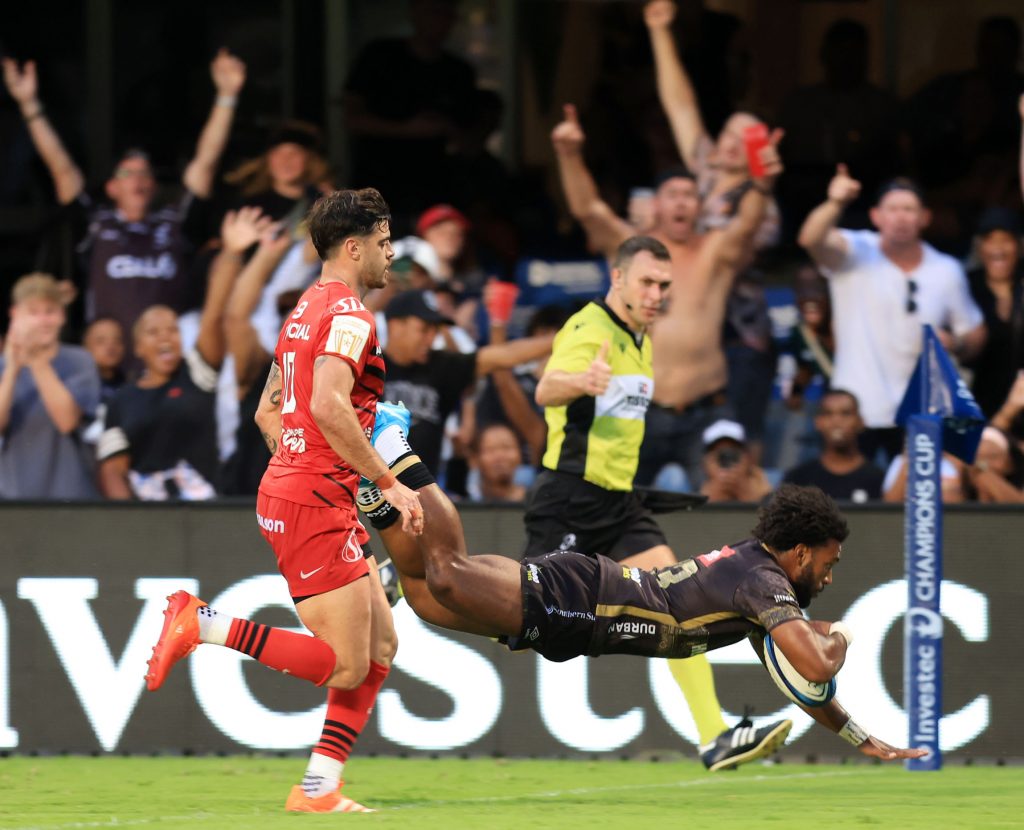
343,214
796,515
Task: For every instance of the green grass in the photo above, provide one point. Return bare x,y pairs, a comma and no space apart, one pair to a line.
243,792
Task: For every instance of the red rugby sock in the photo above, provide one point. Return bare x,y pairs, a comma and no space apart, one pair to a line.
348,710
284,651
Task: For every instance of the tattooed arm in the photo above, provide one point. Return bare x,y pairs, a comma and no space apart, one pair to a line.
268,412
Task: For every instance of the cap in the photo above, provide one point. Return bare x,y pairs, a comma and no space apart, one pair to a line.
999,219
419,251
421,304
724,429
440,213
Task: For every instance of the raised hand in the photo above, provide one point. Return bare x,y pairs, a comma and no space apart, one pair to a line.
228,73
843,188
21,83
568,135
243,228
770,160
659,14
276,239
599,373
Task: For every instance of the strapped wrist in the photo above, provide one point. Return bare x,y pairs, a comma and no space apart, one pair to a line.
39,111
852,733
230,101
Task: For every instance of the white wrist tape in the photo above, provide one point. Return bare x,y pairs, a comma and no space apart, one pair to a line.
227,101
852,733
844,630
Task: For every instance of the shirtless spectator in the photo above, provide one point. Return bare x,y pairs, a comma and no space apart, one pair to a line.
689,364
48,393
135,257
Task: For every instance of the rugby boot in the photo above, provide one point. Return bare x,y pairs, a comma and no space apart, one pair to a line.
299,802
389,582
743,743
178,639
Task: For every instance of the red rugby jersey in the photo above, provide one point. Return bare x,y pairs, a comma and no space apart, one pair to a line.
329,319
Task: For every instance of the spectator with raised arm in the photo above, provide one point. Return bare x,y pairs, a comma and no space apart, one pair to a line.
48,393
160,436
885,285
135,257
252,350
720,165
690,373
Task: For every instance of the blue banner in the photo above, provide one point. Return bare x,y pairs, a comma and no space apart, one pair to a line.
936,388
922,631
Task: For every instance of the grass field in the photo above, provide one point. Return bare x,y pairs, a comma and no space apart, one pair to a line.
247,792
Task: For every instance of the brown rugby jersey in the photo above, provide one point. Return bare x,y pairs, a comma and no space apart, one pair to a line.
698,605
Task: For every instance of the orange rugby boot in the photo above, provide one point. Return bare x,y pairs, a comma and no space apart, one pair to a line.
178,639
299,802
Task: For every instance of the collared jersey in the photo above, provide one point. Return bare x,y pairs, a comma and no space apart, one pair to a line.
329,319
598,438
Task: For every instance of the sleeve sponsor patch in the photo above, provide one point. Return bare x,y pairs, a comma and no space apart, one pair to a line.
348,336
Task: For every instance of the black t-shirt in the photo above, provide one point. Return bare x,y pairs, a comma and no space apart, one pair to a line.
995,369
130,266
431,391
863,484
244,470
170,433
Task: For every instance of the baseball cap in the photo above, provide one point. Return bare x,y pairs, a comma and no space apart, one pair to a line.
722,430
417,250
421,304
440,213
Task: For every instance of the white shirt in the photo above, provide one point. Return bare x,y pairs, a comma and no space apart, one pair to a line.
877,340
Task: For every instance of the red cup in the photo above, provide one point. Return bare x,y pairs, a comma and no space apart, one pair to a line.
499,299
755,138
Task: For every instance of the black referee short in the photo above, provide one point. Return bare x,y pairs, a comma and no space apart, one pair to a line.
564,511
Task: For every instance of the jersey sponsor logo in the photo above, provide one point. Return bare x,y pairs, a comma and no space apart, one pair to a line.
297,331
348,336
532,573
308,574
162,235
270,525
709,559
293,439
631,573
346,305
785,598
627,397
628,628
126,266
568,613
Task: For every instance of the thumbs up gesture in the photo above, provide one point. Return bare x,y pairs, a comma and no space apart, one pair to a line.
599,373
568,136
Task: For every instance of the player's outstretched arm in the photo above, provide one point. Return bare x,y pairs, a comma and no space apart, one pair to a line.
836,719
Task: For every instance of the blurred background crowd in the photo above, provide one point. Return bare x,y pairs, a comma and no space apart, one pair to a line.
157,163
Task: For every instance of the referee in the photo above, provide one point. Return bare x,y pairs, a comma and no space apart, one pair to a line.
595,392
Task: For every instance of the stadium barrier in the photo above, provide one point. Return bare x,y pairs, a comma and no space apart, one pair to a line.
83,587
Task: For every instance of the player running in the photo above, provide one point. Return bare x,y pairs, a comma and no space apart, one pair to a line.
316,413
564,604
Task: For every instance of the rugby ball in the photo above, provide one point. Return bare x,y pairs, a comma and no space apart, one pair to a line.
792,684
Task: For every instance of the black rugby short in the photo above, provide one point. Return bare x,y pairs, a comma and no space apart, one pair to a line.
559,597
564,511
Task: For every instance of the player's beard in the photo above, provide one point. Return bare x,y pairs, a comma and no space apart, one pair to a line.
804,587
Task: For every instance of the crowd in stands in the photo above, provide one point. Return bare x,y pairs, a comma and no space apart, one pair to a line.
135,374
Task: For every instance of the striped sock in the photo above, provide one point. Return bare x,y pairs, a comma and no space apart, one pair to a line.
348,710
284,651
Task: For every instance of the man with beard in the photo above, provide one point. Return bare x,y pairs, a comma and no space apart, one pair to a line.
565,604
841,470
